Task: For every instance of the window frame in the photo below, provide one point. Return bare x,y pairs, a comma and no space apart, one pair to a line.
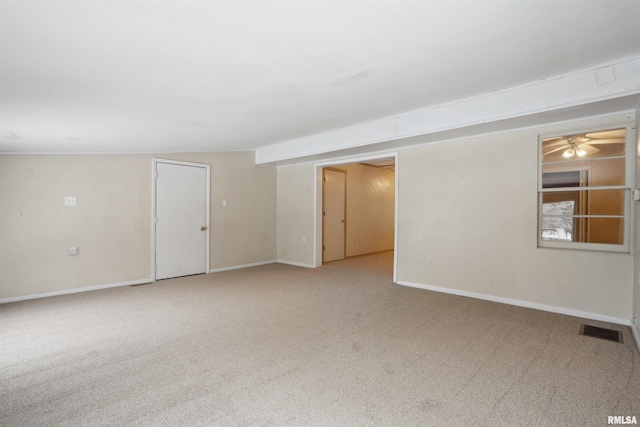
627,188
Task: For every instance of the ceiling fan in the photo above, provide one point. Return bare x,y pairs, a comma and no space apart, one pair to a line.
582,144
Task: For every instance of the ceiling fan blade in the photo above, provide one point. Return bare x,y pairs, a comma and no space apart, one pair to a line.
554,142
597,141
564,147
608,134
588,148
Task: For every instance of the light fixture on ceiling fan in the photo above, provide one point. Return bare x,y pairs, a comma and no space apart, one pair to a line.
580,145
574,149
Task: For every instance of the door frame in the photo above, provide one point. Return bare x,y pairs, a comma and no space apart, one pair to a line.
154,175
317,201
344,222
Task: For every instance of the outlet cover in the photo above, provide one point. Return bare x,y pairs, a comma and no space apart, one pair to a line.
70,201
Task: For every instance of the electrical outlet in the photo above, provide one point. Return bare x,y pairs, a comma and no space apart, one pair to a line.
73,250
304,239
635,319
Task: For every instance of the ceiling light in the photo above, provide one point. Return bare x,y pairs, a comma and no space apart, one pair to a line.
569,153
580,152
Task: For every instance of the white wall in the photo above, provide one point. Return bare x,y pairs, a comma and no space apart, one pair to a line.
111,225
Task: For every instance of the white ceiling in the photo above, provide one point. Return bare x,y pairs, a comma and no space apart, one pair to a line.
178,76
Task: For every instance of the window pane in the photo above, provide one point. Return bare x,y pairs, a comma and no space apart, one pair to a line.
557,229
605,202
571,209
584,174
605,230
586,230
560,179
563,203
585,146
584,202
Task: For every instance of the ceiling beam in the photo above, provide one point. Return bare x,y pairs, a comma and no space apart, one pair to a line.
609,81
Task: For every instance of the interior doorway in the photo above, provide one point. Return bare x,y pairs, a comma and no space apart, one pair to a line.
370,208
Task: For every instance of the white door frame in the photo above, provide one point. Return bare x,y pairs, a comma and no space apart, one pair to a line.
317,202
155,162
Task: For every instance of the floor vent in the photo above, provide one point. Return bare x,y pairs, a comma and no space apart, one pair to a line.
602,333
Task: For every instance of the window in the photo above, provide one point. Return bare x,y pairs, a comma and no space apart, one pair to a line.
584,190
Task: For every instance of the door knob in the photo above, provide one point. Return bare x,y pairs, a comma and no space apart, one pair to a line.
203,228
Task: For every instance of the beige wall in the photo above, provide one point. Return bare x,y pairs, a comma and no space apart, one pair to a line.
468,222
370,209
295,214
112,223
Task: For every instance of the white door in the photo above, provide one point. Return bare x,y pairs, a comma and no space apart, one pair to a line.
334,204
181,214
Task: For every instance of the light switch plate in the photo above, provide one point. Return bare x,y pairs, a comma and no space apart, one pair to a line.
70,201
73,250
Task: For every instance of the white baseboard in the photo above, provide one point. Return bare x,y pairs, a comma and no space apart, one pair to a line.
237,267
519,303
636,335
75,291
297,264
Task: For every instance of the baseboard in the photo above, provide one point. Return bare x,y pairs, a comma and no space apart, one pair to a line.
75,291
237,267
520,303
636,335
297,264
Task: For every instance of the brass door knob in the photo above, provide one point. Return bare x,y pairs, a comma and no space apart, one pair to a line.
203,228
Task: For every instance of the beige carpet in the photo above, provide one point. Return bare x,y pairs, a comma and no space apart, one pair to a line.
281,345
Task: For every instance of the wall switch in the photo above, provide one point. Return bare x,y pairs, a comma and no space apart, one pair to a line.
73,250
70,201
304,239
224,203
